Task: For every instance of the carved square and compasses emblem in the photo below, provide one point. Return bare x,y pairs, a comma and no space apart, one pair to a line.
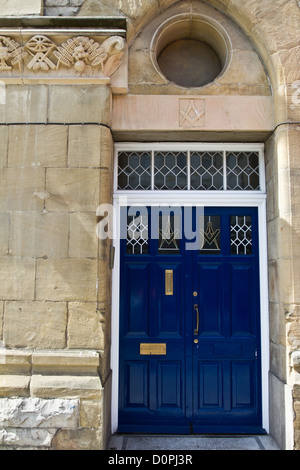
191,113
210,236
169,238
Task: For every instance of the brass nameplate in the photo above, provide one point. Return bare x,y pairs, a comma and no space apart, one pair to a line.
169,281
148,349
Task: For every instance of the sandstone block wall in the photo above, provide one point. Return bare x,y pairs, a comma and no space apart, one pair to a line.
55,279
50,400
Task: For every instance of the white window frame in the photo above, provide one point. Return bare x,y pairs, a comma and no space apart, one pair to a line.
192,198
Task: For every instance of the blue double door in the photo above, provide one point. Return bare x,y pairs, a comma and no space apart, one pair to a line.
190,321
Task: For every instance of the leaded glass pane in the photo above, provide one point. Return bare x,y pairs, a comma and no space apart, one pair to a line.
241,235
193,170
210,236
134,170
242,170
206,170
137,235
170,170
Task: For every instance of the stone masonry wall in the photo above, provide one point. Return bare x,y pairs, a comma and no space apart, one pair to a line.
62,7
51,400
54,273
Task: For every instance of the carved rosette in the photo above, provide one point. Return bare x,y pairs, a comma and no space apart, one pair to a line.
80,54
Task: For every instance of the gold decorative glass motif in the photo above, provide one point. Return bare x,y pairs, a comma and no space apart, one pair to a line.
169,234
210,235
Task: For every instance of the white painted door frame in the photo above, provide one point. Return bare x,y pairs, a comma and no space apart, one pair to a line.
193,199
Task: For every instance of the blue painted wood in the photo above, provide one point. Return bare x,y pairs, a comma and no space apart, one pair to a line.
213,385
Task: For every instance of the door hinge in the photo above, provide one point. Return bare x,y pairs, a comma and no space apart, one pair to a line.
112,257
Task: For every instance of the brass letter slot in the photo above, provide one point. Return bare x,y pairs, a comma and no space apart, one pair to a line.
150,349
169,281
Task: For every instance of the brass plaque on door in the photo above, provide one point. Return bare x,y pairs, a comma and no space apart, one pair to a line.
169,281
149,349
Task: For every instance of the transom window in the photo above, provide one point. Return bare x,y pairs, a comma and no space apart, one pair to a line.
189,167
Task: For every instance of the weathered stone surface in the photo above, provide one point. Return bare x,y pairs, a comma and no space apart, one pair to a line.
14,385
61,11
89,146
37,146
35,324
245,68
293,332
78,104
20,8
17,188
1,321
162,113
24,104
85,329
3,144
67,362
15,362
17,278
84,146
106,186
91,414
4,233
81,439
38,413
138,12
107,148
83,238
39,234
66,279
53,3
104,278
66,386
73,189
32,438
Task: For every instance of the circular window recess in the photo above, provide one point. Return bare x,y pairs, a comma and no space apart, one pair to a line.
189,63
190,52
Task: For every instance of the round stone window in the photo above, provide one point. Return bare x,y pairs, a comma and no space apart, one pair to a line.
189,63
190,52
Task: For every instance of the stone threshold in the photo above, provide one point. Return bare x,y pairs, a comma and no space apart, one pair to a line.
193,442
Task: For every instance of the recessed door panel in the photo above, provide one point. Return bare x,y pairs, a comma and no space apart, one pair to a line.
137,384
137,299
169,301
242,299
169,384
242,383
209,290
210,389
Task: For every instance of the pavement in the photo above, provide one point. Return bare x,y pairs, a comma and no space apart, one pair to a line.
194,442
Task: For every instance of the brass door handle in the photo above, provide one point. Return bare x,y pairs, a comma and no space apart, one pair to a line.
196,331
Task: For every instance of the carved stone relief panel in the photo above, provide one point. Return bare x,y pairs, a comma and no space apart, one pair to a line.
191,112
76,55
